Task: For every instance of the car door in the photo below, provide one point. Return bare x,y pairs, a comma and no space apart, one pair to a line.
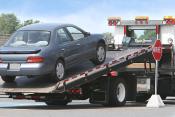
66,46
78,42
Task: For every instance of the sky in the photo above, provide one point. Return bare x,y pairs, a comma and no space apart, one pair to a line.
91,15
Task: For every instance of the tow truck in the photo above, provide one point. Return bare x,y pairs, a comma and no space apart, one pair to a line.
126,75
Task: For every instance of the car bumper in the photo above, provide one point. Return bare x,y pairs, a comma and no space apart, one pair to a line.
26,69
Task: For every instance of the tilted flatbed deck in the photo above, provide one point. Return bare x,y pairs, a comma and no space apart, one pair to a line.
77,75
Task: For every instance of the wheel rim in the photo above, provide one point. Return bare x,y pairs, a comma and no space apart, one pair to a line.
120,92
101,53
60,71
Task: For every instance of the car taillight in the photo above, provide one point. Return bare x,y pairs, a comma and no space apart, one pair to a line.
35,59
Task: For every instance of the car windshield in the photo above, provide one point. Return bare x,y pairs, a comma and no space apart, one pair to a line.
29,38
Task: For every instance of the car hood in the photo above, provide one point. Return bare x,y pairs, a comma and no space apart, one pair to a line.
19,50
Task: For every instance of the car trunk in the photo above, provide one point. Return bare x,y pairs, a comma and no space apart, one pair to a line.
19,50
17,54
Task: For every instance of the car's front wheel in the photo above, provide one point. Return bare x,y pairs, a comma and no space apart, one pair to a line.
8,79
59,71
100,54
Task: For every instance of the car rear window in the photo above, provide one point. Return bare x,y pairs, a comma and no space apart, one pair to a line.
29,38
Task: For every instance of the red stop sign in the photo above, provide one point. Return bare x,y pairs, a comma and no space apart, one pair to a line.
157,50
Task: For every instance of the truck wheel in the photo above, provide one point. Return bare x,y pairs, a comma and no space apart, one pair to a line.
8,79
117,94
57,103
59,71
100,54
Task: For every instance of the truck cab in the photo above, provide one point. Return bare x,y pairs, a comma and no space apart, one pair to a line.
142,32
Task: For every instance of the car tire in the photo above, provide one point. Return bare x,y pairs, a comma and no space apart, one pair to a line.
117,93
59,71
8,79
57,103
100,54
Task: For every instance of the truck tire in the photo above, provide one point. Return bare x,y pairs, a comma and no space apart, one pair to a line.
100,54
117,93
57,103
8,79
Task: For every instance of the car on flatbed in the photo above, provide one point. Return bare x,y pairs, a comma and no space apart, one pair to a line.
48,49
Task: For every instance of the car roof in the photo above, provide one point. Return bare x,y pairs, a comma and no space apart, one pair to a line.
44,26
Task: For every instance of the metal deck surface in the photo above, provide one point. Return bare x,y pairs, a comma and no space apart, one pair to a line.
44,84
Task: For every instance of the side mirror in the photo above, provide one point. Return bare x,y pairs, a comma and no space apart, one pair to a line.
87,34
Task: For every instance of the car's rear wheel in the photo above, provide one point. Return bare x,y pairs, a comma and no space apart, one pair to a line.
100,54
59,71
8,79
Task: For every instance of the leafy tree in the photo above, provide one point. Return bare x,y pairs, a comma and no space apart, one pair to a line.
148,34
31,21
27,22
8,23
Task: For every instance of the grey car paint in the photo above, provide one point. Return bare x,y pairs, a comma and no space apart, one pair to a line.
71,52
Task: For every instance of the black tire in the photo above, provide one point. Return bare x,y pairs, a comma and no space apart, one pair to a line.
8,79
55,76
114,98
96,60
57,103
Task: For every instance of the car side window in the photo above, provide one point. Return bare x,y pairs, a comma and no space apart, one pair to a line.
62,36
75,33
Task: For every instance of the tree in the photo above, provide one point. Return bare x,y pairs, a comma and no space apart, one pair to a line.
27,22
148,34
8,23
31,21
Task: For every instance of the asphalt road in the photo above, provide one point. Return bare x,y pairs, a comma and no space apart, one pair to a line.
23,108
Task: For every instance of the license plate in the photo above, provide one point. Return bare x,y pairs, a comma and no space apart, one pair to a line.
14,66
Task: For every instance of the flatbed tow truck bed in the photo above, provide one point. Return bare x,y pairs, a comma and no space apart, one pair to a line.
77,75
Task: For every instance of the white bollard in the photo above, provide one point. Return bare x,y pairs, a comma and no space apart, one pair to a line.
155,102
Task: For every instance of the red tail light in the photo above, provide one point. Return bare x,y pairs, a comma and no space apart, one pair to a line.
113,74
35,59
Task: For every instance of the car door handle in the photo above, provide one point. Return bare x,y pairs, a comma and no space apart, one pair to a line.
78,44
62,49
